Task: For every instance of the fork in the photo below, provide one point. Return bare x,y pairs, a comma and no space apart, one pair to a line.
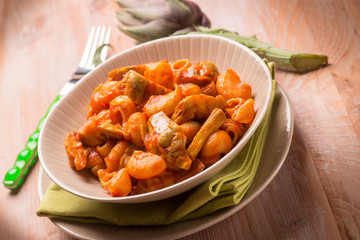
26,158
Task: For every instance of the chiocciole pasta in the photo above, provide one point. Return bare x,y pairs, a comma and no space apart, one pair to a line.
150,126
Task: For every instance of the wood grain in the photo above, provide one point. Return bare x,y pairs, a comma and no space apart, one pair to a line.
314,196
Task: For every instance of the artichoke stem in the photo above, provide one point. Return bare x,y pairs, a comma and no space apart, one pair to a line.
285,60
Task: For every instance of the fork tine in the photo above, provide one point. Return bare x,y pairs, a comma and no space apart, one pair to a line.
88,45
98,36
99,32
106,41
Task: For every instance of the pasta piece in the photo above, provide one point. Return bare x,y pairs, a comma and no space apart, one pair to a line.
161,73
178,67
144,165
196,167
94,170
103,94
95,162
217,144
243,112
75,151
245,91
155,89
189,89
230,86
233,104
196,106
190,129
136,128
105,149
234,129
163,103
209,89
93,159
160,181
112,161
214,121
121,108
208,161
117,183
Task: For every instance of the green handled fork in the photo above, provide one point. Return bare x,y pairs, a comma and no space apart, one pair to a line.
98,38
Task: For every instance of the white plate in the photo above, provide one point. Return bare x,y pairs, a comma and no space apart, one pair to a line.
275,151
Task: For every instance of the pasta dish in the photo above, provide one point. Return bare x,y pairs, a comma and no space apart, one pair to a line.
153,125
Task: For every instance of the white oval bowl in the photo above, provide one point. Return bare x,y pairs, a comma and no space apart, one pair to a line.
70,113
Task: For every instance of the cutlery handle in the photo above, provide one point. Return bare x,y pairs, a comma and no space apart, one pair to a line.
27,157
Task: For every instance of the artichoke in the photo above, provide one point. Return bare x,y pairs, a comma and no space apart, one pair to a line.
152,19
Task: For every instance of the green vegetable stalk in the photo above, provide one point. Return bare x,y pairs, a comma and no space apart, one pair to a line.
285,60
152,19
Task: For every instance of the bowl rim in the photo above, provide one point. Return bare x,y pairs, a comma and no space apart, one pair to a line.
204,175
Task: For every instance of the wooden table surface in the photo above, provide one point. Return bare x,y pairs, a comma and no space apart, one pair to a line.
316,194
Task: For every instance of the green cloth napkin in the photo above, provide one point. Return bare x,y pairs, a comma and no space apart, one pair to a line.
225,189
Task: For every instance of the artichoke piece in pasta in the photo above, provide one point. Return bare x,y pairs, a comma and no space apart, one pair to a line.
212,123
111,131
126,156
135,86
165,138
139,89
75,150
90,133
196,106
199,73
119,73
